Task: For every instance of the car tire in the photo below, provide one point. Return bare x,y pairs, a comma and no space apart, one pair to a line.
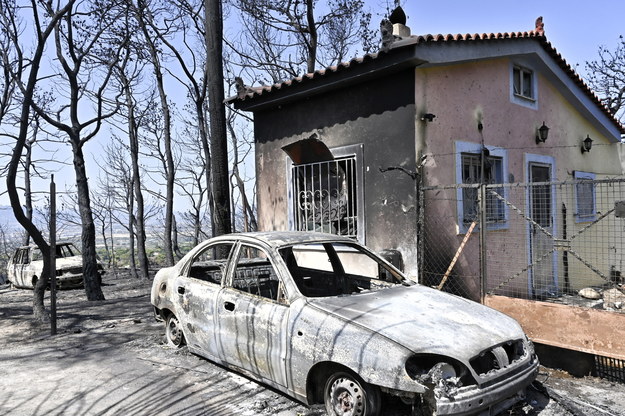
173,332
347,395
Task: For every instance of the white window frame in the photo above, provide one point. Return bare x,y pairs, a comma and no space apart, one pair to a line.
593,215
476,148
357,152
519,98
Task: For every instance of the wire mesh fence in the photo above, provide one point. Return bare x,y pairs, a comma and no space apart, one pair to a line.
444,230
553,241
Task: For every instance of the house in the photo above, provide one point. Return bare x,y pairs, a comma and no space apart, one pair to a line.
395,148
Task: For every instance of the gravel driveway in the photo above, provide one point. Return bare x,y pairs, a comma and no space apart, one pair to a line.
109,358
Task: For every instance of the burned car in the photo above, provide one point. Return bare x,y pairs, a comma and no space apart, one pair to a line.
26,266
325,320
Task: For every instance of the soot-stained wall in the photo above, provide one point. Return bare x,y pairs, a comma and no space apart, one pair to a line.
379,115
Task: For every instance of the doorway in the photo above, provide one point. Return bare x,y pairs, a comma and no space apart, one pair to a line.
542,260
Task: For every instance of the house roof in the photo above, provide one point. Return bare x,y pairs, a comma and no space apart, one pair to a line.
249,95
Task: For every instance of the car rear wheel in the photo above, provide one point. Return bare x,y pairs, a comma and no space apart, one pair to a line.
173,332
347,395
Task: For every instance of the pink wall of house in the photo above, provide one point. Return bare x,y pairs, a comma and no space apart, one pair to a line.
464,95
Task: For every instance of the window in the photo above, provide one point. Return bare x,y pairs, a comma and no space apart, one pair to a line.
66,250
210,264
255,275
327,196
469,171
36,254
585,201
21,256
523,86
523,82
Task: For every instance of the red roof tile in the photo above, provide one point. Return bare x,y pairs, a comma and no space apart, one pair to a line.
538,35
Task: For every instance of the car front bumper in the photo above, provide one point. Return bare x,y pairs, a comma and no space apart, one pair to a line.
473,400
69,280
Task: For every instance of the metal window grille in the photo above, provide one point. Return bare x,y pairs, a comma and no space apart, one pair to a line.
325,197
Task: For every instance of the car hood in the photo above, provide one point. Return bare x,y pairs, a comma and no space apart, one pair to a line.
74,261
425,320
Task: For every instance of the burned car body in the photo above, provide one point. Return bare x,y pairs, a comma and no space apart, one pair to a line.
323,319
26,266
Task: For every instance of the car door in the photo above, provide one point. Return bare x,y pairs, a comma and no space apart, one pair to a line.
196,289
14,268
252,317
21,262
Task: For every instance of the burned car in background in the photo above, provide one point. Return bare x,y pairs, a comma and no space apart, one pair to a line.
324,320
26,266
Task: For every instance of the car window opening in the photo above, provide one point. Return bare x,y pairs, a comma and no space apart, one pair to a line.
336,269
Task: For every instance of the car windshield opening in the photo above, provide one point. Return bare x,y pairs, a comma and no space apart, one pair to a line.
335,269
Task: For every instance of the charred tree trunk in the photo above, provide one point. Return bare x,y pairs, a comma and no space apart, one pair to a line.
164,105
312,40
248,212
131,248
28,198
175,238
89,256
170,175
217,117
136,183
204,137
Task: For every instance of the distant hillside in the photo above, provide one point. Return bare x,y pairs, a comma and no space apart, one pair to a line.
7,220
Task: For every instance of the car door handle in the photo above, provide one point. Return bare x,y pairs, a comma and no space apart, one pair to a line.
181,290
229,306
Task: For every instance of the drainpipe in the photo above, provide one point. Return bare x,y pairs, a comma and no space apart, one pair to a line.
482,205
483,269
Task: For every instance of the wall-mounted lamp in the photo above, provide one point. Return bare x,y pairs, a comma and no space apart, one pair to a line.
542,133
428,117
586,144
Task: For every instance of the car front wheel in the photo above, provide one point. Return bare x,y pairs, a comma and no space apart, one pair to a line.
347,395
173,332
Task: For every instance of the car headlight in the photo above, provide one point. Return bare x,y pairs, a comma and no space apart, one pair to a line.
432,368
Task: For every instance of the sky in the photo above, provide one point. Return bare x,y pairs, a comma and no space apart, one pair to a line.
575,28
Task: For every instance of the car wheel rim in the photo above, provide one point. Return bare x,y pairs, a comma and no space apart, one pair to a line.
347,397
173,331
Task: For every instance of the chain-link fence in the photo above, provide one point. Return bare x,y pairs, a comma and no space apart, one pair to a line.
554,241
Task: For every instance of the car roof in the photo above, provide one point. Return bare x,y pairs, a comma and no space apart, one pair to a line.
61,243
278,239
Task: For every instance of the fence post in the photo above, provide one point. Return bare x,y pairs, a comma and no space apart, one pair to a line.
52,256
483,268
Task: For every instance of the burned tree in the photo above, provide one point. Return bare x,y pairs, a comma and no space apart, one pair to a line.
26,80
217,117
283,38
144,12
89,42
606,76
